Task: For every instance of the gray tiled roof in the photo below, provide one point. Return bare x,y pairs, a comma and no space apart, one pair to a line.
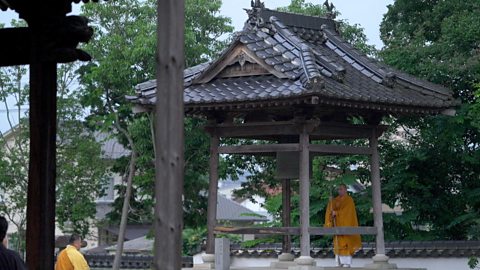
313,61
399,249
228,210
137,245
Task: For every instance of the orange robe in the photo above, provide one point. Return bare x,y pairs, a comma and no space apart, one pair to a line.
346,216
71,259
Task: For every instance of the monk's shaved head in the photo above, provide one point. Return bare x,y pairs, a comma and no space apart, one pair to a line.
342,189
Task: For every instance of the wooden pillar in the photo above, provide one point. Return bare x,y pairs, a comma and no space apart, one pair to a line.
304,177
40,236
286,213
376,193
169,140
212,194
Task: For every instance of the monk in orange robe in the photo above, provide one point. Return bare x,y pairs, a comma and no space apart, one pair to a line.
341,213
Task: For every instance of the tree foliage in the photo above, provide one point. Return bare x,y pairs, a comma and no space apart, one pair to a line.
80,170
124,55
434,173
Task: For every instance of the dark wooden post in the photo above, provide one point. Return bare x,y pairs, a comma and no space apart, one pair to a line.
40,236
169,140
212,194
286,212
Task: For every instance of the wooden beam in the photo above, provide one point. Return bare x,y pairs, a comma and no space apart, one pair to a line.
296,230
259,231
324,149
40,236
286,213
377,194
212,194
15,45
271,149
279,128
169,140
245,131
318,130
343,231
259,148
304,178
342,131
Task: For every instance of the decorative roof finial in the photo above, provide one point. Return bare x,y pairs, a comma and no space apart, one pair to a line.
330,10
257,4
255,19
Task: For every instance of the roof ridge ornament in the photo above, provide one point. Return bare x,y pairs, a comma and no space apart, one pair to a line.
257,4
255,21
331,14
390,79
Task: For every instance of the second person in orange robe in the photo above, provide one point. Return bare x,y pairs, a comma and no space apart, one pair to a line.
341,213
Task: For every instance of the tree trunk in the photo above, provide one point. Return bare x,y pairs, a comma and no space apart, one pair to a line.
126,206
128,193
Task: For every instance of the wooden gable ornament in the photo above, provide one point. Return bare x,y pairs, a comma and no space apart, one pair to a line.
237,61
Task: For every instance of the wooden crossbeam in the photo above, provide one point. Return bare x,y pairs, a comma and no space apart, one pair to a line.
259,148
15,46
296,230
317,130
324,149
261,129
316,149
258,230
343,231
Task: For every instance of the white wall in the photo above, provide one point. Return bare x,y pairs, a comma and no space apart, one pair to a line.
426,263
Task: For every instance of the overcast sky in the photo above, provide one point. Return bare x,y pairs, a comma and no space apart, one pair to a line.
367,13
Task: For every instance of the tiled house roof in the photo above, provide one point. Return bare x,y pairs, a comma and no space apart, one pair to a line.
299,59
407,249
228,210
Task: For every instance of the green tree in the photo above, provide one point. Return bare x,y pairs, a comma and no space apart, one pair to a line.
123,50
14,152
80,169
434,172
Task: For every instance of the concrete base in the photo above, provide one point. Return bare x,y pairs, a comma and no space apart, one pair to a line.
208,262
380,261
204,266
285,260
309,267
304,263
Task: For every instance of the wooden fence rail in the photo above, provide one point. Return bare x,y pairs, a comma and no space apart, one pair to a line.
296,230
